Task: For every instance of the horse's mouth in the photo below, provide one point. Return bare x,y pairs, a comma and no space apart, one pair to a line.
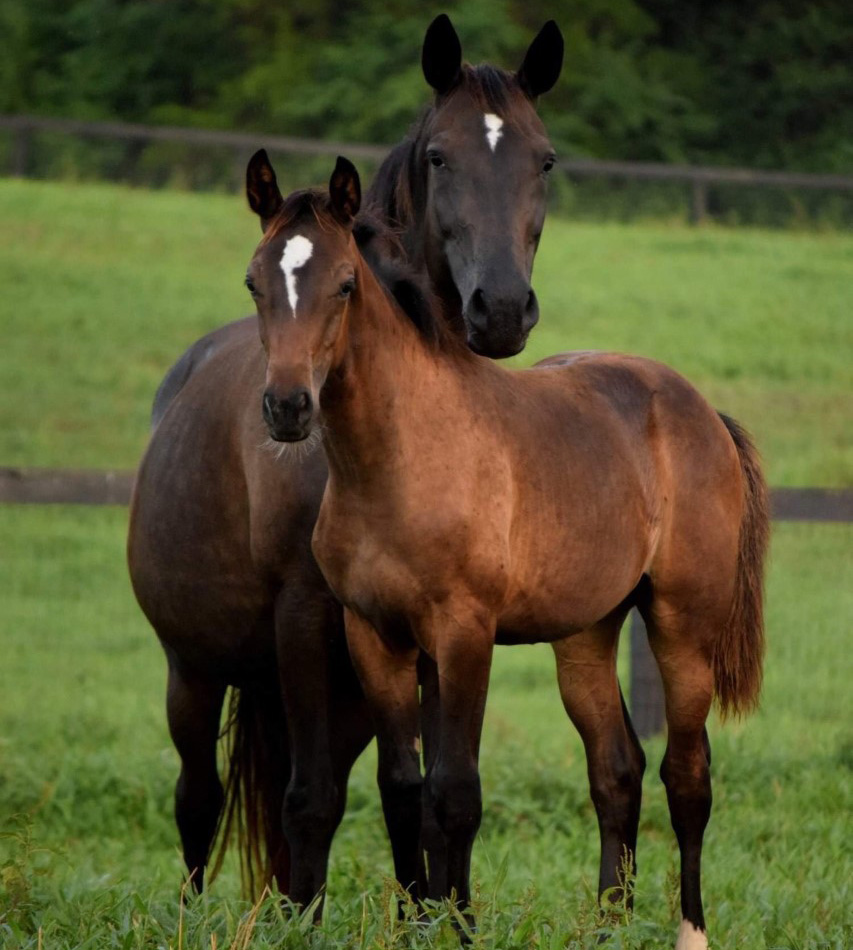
495,349
289,433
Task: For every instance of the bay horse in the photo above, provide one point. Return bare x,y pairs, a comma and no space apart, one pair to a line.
468,505
220,528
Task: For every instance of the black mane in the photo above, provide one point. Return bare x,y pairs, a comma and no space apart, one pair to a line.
381,248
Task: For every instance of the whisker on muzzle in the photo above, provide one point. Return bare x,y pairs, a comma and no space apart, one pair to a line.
294,452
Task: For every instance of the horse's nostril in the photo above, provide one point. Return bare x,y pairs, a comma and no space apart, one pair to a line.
531,300
268,408
303,401
478,300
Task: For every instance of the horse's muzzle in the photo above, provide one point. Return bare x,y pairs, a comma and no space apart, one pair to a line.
289,418
498,326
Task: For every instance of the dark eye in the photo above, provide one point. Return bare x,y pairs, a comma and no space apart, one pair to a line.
251,286
436,160
548,164
347,287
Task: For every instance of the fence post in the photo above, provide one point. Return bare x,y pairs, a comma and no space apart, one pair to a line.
647,707
698,201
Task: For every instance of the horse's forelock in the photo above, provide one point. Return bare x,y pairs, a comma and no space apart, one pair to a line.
295,206
493,89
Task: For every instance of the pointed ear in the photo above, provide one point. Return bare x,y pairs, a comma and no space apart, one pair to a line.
262,188
543,61
345,191
441,57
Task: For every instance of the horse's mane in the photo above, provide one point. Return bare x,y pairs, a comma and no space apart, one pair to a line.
399,187
383,251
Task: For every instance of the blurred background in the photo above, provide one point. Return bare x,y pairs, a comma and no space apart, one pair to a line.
765,85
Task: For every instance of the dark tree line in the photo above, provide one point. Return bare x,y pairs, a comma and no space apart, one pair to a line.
767,83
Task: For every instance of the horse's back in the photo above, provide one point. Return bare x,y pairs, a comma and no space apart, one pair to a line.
193,358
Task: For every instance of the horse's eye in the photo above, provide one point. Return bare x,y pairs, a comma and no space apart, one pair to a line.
548,164
436,160
347,287
251,286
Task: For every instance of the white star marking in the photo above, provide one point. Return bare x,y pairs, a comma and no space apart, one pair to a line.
493,129
297,253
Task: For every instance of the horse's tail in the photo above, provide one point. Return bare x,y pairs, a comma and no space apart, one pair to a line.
254,743
739,654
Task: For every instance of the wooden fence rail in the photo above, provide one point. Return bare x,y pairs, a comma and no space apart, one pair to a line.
23,127
64,486
44,486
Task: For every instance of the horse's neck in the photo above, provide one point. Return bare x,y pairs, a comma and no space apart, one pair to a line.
395,195
377,395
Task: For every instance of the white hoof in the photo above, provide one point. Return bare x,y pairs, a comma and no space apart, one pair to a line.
689,938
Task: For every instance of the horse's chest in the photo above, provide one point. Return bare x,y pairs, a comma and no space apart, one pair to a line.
363,574
399,563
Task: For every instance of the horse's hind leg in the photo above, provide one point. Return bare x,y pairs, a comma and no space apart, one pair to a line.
586,672
681,640
194,706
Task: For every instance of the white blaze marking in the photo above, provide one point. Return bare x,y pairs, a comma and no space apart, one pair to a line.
297,253
493,129
689,938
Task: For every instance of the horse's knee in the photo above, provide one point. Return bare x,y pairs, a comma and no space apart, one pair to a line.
401,789
457,801
311,810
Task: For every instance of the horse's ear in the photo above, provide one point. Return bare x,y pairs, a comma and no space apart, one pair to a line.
543,61
345,191
262,188
441,57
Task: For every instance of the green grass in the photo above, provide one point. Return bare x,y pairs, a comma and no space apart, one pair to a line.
102,289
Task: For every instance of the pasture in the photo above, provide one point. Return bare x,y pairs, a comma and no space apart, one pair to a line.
102,289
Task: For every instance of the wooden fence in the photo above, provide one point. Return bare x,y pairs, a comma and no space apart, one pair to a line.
34,486
699,178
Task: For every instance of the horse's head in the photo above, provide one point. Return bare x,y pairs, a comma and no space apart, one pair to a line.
480,167
301,276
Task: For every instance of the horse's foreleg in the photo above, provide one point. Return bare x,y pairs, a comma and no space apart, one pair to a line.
433,843
388,675
586,672
680,645
193,707
463,655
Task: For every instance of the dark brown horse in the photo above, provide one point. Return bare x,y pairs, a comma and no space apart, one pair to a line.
221,521
468,505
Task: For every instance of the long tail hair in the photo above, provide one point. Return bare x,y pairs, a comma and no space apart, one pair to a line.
739,654
257,766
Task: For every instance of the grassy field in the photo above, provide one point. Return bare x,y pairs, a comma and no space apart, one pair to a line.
102,289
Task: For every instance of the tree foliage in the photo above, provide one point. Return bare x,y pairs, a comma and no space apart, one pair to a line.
764,84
